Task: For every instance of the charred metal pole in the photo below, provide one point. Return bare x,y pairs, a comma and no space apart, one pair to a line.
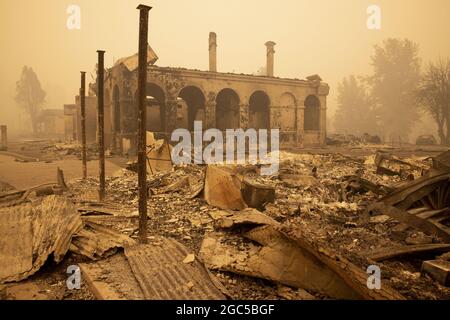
142,121
4,137
83,122
101,123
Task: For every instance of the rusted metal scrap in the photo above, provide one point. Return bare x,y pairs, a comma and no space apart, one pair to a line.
423,204
96,241
30,234
389,165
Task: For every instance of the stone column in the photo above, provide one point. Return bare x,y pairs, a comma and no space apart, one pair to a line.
171,116
244,116
210,112
300,124
323,124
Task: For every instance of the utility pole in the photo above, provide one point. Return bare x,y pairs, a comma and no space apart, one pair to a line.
83,122
142,121
101,122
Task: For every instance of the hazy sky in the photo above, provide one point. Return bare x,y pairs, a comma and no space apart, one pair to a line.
328,37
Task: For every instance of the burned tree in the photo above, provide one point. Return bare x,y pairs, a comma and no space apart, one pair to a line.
433,96
30,95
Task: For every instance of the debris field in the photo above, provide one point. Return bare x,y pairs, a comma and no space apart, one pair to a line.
308,232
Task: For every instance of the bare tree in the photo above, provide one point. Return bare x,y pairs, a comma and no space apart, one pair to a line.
30,96
433,96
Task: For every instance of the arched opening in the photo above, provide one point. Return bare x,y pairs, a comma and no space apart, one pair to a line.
156,107
312,113
227,110
191,107
116,110
259,111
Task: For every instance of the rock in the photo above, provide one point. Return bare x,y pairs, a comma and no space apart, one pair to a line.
419,238
189,258
379,219
296,180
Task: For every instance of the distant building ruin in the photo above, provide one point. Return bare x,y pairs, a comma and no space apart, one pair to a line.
176,97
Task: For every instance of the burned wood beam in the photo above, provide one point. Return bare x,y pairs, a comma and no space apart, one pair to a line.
142,121
401,251
426,225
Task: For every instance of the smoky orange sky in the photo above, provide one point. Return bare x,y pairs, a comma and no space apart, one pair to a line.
327,37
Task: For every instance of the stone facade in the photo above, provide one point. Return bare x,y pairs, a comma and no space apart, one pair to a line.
220,100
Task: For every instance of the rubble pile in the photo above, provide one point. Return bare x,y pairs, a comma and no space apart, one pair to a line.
324,196
338,214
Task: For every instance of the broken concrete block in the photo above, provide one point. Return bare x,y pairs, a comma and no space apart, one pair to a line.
223,188
439,270
296,180
257,195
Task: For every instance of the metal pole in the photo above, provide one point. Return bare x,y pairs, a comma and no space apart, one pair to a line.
100,123
83,122
4,137
142,121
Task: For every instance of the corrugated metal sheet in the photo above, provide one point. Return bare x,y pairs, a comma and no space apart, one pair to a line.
111,279
16,242
96,241
30,233
162,274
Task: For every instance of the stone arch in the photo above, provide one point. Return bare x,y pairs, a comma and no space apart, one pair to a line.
191,107
312,113
156,107
227,109
259,110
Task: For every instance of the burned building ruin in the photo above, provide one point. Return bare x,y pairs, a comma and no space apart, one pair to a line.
176,97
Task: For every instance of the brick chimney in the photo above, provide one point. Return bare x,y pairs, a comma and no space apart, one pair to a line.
212,52
270,54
